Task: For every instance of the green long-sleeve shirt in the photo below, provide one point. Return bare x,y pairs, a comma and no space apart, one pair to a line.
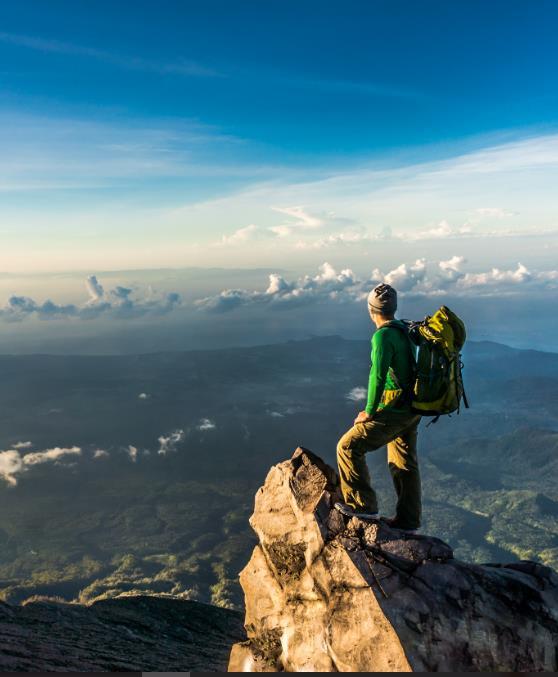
390,348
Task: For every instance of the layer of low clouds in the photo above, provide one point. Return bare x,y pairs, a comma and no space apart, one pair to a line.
119,302
451,276
420,277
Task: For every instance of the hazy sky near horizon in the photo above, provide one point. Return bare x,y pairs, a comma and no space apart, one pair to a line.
280,134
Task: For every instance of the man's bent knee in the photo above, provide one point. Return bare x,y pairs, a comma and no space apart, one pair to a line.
348,445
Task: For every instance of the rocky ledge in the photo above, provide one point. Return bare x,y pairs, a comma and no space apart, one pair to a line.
132,633
329,593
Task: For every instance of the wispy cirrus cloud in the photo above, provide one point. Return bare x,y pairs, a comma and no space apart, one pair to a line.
300,219
184,67
49,153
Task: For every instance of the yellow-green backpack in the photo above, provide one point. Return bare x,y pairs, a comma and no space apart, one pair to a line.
438,383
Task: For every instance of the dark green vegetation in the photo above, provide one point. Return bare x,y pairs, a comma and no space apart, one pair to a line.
177,523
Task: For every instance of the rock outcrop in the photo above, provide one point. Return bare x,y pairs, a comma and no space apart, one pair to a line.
329,593
132,633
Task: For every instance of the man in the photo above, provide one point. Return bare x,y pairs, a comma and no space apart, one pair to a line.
386,419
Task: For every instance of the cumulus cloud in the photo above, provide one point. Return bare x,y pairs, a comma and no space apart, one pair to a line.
118,302
13,462
327,283
132,452
206,424
144,396
100,453
357,394
11,465
420,278
168,443
497,277
95,289
404,277
23,445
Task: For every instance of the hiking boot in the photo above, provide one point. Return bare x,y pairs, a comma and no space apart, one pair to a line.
393,523
346,510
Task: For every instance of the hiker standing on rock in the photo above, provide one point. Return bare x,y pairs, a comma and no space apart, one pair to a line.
387,419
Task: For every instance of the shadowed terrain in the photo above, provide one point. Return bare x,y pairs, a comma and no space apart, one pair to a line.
171,517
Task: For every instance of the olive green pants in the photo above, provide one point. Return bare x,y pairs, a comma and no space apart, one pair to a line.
399,431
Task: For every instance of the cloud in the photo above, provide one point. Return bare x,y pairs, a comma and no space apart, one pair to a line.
13,462
497,277
118,303
327,283
302,221
206,424
100,453
349,237
244,235
95,289
10,465
168,443
144,396
132,452
442,231
452,269
494,212
182,67
54,454
436,278
357,394
23,445
302,218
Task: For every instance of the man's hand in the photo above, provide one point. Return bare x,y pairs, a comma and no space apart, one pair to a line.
362,417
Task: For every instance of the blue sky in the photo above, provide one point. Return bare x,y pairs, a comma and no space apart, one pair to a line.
304,79
285,134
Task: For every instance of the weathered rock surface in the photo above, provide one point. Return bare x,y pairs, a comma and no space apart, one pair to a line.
329,593
141,634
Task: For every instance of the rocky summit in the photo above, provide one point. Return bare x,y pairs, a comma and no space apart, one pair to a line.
129,633
331,593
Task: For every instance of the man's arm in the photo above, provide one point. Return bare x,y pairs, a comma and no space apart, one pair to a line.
382,352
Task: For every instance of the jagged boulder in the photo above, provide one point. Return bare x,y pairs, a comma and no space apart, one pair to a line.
329,593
